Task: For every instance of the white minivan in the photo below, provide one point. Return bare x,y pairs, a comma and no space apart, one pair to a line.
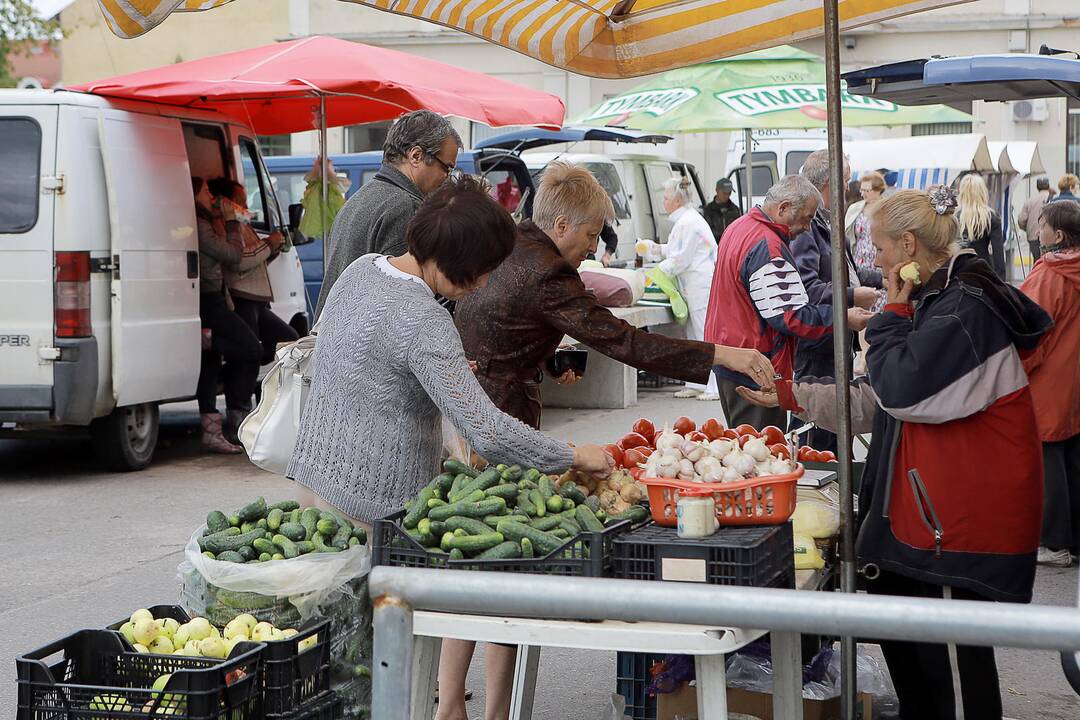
99,262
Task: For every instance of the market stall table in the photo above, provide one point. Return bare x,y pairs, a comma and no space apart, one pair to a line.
708,645
609,384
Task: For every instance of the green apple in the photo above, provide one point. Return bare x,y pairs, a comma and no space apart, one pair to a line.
170,627
263,632
145,631
128,631
307,644
141,614
277,634
248,620
192,648
140,648
114,703
289,632
212,647
199,628
232,642
181,636
160,683
237,630
161,646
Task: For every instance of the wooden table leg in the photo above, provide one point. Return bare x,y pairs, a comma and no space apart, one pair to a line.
711,687
787,675
425,676
524,693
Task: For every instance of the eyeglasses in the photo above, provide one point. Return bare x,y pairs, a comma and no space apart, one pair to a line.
450,170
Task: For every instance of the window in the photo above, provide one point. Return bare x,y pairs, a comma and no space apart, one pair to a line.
608,177
794,161
955,128
20,146
264,216
273,145
763,180
361,138
760,157
479,131
288,187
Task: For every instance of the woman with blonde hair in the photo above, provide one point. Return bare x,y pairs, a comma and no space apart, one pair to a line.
980,225
951,498
857,231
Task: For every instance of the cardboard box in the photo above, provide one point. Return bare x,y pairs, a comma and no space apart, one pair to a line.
683,703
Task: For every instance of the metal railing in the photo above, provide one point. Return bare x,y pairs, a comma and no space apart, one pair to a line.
397,592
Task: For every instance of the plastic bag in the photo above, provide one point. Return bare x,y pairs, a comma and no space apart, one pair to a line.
807,555
455,446
616,709
661,279
816,519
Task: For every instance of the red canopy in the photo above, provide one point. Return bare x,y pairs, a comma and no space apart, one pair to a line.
275,89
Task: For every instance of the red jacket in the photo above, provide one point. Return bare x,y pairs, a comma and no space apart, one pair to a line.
1053,368
758,299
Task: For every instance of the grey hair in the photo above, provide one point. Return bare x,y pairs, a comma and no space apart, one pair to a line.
676,187
816,168
794,189
421,128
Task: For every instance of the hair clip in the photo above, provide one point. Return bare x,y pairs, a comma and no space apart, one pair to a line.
943,198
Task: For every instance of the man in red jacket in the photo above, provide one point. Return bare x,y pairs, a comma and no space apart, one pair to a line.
758,299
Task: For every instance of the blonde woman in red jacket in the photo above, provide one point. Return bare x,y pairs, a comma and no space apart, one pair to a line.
1054,374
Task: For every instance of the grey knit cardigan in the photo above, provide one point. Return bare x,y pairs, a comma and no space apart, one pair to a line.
388,360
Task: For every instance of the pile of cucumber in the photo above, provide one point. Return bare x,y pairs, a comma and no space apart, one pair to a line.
282,531
503,513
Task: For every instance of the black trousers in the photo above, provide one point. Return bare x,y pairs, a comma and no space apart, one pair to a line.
922,672
1061,494
233,340
738,411
269,328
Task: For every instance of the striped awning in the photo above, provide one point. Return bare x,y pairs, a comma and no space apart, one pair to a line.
602,38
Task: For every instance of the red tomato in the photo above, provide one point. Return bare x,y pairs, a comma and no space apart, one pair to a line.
616,452
684,425
827,456
633,440
637,473
730,434
772,435
698,436
633,457
803,451
645,428
646,451
813,456
781,450
745,429
712,429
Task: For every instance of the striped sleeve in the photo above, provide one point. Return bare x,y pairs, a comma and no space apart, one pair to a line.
778,293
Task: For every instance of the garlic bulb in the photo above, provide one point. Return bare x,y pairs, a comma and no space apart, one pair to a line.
668,440
757,448
692,451
720,448
730,475
744,464
731,458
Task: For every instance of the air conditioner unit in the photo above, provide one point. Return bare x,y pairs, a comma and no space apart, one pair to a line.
1030,110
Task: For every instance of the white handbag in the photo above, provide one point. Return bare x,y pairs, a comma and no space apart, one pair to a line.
269,432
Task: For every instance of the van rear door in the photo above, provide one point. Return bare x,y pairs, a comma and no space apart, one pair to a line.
28,186
156,336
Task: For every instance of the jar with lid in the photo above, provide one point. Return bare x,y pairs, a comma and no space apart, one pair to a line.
696,513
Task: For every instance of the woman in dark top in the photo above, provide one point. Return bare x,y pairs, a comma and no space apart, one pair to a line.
980,226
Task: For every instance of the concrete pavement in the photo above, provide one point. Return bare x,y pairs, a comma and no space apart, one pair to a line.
85,547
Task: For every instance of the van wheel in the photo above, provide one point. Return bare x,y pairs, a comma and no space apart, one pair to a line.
125,439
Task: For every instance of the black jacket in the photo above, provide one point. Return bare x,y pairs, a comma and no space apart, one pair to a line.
990,246
720,216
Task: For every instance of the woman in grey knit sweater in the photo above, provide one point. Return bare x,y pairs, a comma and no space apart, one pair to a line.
389,361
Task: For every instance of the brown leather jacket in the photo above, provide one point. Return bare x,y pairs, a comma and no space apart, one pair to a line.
511,327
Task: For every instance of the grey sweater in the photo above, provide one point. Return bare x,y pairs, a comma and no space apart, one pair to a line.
388,360
373,220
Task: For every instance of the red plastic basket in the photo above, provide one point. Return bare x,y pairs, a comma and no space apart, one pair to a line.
767,500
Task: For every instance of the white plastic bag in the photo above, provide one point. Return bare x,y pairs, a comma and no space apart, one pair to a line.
816,519
307,580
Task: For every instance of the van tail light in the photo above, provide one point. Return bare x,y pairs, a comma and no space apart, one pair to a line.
71,312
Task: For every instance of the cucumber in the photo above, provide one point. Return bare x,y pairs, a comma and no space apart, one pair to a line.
573,492
554,504
234,520
507,491
490,506
492,521
321,546
231,556
544,543
253,510
527,548
593,502
218,544
360,534
247,552
274,519
601,515
568,504
247,526
560,533
328,526
419,509
341,539
288,547
264,546
635,514
527,485
285,506
538,502
209,554
525,503
571,528
503,551
444,482
435,502
512,473
587,520
475,496
277,556
354,541
425,539
309,518
533,475
266,557
261,523
227,532
294,532
546,487
428,527
305,546
472,526
458,468
294,516
472,544
549,522
486,479
216,521
444,543
456,554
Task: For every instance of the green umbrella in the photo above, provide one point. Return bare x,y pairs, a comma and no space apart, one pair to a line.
782,87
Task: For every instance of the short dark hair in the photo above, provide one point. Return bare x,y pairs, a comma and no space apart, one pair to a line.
1064,215
196,185
224,187
463,230
1042,184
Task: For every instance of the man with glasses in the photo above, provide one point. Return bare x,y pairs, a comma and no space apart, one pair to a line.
419,154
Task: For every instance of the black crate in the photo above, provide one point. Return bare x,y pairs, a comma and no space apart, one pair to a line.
750,556
393,546
290,678
96,667
327,706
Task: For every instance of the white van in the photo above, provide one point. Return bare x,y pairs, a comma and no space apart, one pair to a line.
635,184
99,262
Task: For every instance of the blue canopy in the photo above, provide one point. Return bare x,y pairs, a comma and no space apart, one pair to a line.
529,138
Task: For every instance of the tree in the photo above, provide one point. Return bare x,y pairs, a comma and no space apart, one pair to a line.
20,28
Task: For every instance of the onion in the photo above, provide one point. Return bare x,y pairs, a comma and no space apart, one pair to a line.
757,448
720,448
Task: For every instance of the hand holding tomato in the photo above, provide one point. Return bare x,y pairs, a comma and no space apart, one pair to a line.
616,454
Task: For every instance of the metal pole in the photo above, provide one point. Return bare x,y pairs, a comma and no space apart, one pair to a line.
325,180
841,349
748,142
392,661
